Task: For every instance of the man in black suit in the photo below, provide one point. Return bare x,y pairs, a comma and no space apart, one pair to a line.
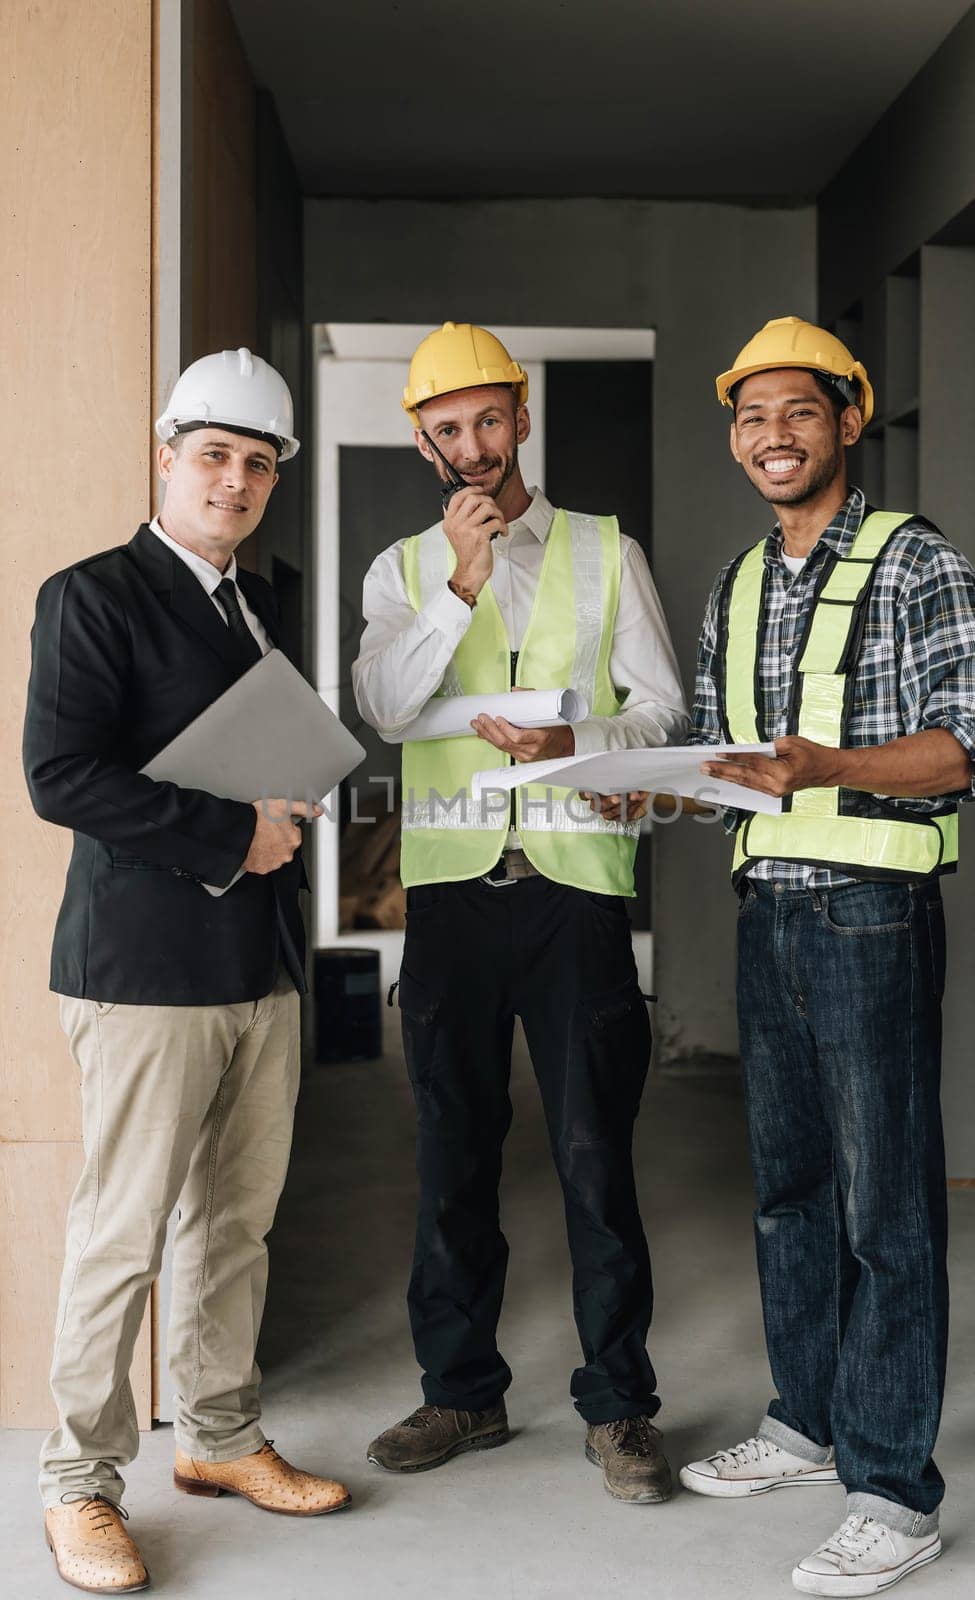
181,1006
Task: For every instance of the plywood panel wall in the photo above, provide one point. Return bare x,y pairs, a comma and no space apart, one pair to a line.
75,417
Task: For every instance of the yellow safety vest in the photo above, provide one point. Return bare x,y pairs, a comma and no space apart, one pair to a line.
449,836
822,827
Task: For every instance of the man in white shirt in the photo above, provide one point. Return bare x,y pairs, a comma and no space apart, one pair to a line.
517,914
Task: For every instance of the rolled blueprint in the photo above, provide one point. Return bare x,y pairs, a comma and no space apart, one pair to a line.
449,716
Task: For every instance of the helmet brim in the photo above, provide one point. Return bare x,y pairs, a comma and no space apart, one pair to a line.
727,381
285,445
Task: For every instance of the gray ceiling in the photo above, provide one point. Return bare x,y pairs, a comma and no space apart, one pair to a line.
733,98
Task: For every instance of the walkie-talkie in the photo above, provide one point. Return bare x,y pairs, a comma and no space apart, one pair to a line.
454,479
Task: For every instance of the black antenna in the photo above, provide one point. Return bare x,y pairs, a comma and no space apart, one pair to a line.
455,481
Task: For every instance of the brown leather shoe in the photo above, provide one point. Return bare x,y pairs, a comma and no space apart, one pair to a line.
430,1435
264,1478
91,1547
634,1466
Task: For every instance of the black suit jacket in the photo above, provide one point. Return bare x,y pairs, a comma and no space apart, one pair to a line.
127,648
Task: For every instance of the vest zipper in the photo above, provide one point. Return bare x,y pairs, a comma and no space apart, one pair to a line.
513,813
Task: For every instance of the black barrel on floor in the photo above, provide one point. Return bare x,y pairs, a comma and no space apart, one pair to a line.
348,1017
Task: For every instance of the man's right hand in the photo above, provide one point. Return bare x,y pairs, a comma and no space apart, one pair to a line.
618,807
469,521
276,837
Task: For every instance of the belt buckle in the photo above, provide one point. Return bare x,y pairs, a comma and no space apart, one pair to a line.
498,877
517,865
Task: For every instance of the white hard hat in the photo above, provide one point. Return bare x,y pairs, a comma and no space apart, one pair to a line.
234,390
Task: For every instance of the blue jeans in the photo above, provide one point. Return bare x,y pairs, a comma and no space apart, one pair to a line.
839,1008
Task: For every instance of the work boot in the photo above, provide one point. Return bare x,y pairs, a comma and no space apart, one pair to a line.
92,1549
634,1466
265,1479
430,1435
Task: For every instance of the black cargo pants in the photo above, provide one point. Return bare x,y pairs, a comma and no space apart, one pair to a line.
477,955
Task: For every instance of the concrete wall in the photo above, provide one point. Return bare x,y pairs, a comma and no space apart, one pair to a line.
705,277
911,176
912,182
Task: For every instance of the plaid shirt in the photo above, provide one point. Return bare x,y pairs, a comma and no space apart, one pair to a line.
916,668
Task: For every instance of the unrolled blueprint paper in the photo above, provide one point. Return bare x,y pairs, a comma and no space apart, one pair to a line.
673,769
448,716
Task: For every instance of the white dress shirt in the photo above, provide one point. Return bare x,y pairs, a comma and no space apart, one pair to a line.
404,653
209,576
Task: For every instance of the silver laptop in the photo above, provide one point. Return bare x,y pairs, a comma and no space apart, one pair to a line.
268,736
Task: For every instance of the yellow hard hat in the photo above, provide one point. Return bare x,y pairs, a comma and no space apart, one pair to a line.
790,342
459,356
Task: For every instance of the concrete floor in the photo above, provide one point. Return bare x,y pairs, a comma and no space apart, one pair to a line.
530,1521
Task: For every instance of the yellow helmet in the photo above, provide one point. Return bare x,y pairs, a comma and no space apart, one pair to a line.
790,342
459,356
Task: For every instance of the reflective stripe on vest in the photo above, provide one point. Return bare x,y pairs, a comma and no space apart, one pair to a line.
813,828
447,836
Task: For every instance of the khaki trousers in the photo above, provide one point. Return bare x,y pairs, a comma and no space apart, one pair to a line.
189,1107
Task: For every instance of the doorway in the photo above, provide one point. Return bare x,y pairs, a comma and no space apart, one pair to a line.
372,488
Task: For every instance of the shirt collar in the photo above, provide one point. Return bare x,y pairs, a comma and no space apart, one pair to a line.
202,569
838,536
537,519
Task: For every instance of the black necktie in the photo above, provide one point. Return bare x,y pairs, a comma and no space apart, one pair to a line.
226,592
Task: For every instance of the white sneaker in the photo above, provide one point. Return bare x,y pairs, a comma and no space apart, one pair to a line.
754,1467
863,1557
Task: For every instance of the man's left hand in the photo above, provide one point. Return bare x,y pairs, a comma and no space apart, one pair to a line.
526,744
799,764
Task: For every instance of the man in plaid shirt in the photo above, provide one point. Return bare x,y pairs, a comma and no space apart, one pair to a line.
841,952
